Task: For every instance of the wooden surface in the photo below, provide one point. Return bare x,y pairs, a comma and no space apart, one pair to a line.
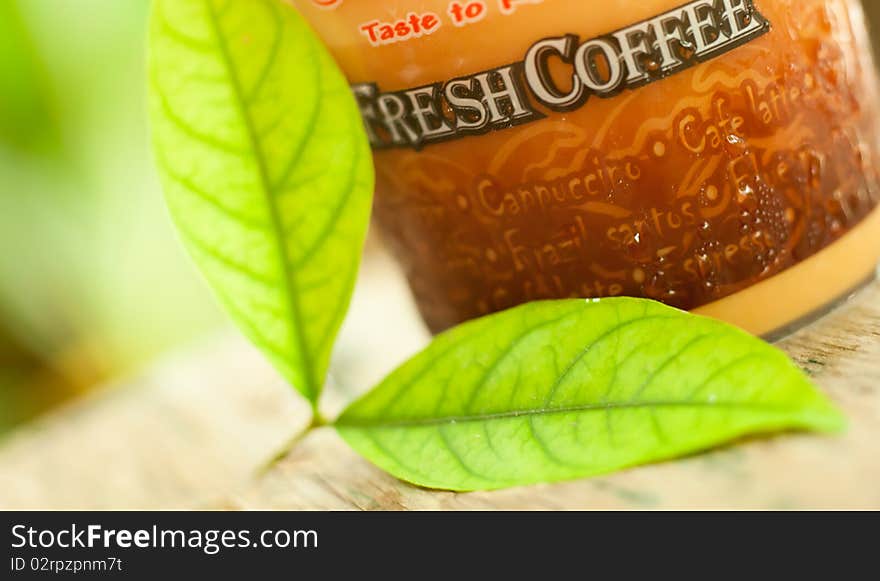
193,431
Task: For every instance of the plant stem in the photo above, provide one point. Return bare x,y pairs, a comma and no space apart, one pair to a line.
318,421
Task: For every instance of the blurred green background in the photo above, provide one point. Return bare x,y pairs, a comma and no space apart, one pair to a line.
93,284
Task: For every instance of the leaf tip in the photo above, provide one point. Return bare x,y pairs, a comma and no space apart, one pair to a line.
827,419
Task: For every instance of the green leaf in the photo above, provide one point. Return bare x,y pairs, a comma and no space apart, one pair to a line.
560,390
266,168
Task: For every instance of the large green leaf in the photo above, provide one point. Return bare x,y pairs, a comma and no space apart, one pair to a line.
266,168
559,390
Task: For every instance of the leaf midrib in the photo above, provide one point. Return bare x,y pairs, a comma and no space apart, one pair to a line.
293,306
513,414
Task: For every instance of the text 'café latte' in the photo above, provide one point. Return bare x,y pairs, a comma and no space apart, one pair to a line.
717,155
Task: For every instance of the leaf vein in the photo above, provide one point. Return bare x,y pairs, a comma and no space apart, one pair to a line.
459,458
192,43
617,328
294,314
367,423
675,357
189,130
193,188
271,59
209,251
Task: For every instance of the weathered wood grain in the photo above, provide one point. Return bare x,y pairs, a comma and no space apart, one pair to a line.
192,432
